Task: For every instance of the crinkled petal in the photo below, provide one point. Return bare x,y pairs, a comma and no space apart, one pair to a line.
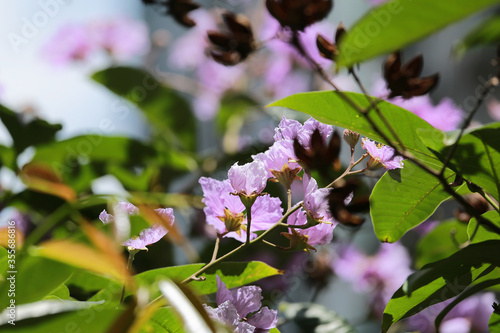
167,214
266,211
105,217
264,320
288,129
127,207
248,178
247,299
223,294
146,237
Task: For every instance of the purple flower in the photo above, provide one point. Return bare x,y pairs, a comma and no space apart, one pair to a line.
248,179
289,129
318,235
71,42
122,38
315,201
122,206
146,237
234,306
225,212
380,275
381,155
494,109
470,315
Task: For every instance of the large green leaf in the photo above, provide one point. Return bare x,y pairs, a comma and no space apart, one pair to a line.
441,280
441,242
233,274
486,33
483,233
404,198
476,158
330,108
314,318
399,23
26,132
168,113
49,276
164,320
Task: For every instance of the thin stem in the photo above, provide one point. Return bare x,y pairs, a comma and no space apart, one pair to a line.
484,92
131,256
289,199
347,171
216,248
377,109
491,201
271,244
249,223
47,224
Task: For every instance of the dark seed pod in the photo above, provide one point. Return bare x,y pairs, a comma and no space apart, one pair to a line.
299,14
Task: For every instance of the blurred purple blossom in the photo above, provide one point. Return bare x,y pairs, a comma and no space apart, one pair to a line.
72,42
380,275
234,307
123,206
248,179
445,116
470,315
146,237
381,154
219,202
493,106
122,38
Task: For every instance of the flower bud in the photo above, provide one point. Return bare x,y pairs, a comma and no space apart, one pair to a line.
351,138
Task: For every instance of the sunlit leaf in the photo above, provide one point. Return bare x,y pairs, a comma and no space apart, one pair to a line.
234,274
486,33
484,233
396,24
441,242
41,178
441,280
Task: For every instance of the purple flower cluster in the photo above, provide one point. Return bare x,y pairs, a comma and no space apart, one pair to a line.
121,38
235,306
226,212
147,236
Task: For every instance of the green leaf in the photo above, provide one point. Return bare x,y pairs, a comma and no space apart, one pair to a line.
60,293
8,157
404,198
26,132
49,275
233,274
396,24
330,108
483,233
314,318
476,158
494,323
441,280
168,113
441,242
44,308
486,33
88,320
164,320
